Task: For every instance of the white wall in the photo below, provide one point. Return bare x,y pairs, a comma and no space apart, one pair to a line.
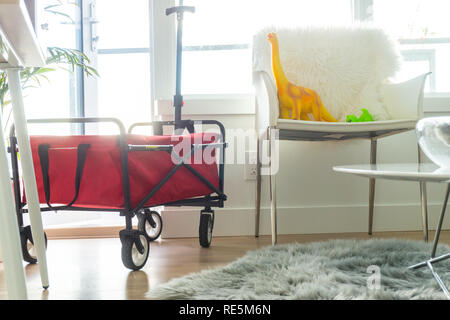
311,198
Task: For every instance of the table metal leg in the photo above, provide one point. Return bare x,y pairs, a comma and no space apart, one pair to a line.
433,260
439,280
29,178
9,232
429,262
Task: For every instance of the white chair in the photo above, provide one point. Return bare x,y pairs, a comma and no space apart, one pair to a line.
402,101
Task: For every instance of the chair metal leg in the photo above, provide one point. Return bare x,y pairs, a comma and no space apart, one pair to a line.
273,200
373,160
258,188
423,199
273,209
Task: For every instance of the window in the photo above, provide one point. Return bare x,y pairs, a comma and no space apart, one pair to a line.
422,30
115,37
123,61
217,38
61,95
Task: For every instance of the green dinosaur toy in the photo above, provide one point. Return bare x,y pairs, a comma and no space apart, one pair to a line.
364,117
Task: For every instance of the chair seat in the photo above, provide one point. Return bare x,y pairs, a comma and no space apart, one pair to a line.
321,131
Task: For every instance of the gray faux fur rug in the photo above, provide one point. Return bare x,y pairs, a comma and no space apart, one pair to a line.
335,269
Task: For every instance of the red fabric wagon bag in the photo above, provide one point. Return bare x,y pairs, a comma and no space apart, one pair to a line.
86,171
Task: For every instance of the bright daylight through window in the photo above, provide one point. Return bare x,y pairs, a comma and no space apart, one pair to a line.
222,31
218,39
59,91
422,28
123,60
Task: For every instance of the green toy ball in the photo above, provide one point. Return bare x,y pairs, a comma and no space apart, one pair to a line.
364,117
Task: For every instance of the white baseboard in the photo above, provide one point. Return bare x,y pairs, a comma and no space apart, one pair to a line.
303,220
183,223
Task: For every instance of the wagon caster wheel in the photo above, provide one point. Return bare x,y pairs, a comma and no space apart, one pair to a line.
135,249
206,228
150,222
27,244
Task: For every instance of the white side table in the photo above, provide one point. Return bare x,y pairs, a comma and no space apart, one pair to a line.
411,172
19,48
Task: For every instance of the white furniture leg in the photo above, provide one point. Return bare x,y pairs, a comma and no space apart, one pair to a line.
423,199
258,187
373,160
29,178
9,232
273,188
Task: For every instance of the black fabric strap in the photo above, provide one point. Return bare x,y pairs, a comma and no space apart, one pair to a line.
81,160
45,163
43,157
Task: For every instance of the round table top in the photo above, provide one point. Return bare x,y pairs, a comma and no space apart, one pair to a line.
399,171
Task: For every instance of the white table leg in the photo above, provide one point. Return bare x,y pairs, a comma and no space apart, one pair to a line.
9,232
28,172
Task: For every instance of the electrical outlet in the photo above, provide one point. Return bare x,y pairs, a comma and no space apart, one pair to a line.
250,169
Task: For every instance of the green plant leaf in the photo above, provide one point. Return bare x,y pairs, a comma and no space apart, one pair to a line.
44,70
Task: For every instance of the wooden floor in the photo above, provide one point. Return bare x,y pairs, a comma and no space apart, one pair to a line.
92,268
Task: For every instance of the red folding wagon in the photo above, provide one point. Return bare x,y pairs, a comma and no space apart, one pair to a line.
128,173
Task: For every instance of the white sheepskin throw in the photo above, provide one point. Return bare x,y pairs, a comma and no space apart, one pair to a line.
345,65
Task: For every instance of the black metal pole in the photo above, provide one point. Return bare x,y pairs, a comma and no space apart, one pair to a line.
178,98
16,179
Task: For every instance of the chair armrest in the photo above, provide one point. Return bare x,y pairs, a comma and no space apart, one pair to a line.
267,111
404,100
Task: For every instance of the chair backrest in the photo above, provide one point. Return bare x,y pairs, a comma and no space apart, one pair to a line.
345,65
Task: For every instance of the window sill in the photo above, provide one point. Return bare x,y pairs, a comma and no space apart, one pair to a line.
235,104
436,102
244,104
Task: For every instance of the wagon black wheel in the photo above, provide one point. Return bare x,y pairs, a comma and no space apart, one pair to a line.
27,244
151,224
205,229
131,257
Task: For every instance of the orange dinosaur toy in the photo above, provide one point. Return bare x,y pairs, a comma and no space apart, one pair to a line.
295,102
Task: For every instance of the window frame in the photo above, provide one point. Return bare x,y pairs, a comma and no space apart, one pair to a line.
163,50
433,102
92,51
163,46
76,102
